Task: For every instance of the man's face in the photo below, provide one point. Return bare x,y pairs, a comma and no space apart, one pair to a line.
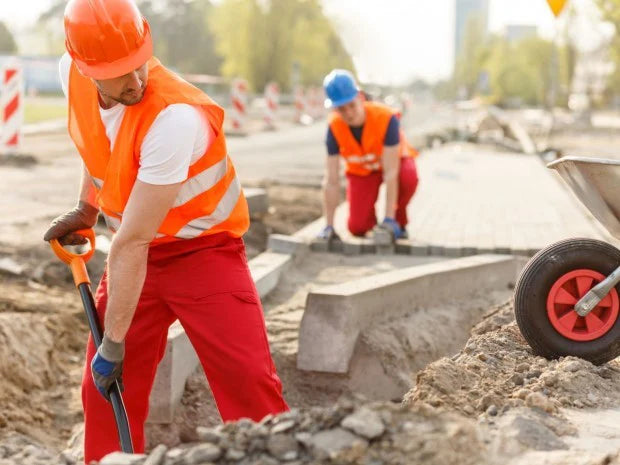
353,112
127,89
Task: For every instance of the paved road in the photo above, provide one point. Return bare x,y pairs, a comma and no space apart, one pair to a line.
475,199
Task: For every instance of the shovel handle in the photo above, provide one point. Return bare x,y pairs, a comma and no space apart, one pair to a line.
77,262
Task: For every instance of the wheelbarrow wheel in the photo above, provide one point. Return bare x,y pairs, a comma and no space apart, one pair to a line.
551,284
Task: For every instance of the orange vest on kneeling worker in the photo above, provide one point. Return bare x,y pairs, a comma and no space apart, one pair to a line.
363,158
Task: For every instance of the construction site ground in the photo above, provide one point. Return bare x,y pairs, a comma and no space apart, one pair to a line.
478,394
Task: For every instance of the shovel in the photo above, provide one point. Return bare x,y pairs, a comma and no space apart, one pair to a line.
77,263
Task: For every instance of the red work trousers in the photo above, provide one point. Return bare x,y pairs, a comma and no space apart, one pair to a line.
362,193
206,284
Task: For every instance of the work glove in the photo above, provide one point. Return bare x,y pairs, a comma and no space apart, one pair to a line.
107,366
328,233
84,216
392,225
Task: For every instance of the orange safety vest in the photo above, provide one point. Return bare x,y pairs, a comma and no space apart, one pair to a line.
210,200
362,159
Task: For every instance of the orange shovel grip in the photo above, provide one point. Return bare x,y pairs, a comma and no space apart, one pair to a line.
77,262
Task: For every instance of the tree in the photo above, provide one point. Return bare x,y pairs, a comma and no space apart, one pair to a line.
520,71
469,63
181,35
7,42
262,41
610,12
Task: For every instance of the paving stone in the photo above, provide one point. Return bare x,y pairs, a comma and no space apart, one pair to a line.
203,453
364,422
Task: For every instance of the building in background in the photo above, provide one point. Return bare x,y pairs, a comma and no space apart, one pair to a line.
465,9
517,32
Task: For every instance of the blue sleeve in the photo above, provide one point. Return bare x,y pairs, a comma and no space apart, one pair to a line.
392,135
332,144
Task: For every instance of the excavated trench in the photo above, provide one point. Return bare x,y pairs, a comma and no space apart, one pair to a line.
386,359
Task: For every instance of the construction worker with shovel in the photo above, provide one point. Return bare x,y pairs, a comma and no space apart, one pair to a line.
156,167
369,138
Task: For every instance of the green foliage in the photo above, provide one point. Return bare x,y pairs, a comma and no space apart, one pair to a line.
262,41
181,35
523,71
610,12
259,40
7,42
473,54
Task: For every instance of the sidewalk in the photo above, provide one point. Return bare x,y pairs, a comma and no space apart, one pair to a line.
474,199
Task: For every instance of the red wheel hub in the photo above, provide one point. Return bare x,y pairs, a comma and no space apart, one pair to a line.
563,297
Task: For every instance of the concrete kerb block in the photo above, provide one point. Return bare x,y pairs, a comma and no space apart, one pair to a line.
281,243
179,362
267,268
336,315
258,201
180,359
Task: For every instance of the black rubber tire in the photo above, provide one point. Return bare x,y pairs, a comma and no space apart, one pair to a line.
532,290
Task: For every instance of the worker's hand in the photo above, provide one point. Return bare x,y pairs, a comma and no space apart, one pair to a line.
392,225
107,365
328,233
84,216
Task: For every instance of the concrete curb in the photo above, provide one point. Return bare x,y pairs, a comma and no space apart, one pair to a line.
180,359
290,245
336,315
358,246
258,201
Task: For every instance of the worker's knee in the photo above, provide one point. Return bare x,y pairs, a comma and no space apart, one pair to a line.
359,229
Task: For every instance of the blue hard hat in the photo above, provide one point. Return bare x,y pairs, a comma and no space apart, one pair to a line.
340,88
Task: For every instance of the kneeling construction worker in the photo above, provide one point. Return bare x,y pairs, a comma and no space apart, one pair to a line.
155,166
369,138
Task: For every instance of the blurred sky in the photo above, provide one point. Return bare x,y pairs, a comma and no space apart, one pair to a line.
393,41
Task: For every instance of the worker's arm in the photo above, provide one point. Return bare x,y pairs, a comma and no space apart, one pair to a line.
391,171
146,209
331,188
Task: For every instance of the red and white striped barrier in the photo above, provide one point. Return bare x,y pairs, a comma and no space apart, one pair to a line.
272,101
11,107
300,104
316,102
239,95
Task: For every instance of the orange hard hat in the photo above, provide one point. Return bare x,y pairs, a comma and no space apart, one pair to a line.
107,38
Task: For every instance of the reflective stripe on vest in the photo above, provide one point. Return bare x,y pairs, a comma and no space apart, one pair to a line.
202,182
223,210
192,188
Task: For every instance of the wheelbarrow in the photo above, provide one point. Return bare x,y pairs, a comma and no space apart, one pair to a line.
77,264
566,299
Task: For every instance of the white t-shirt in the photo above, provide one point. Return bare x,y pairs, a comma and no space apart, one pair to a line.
178,137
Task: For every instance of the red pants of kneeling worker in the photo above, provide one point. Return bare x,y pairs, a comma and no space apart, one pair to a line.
362,193
206,284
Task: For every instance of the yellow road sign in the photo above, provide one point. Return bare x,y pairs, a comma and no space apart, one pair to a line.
557,6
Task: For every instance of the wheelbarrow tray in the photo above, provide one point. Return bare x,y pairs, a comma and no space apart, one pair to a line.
596,183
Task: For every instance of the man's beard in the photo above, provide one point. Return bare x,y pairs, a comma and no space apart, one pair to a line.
130,99
127,99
